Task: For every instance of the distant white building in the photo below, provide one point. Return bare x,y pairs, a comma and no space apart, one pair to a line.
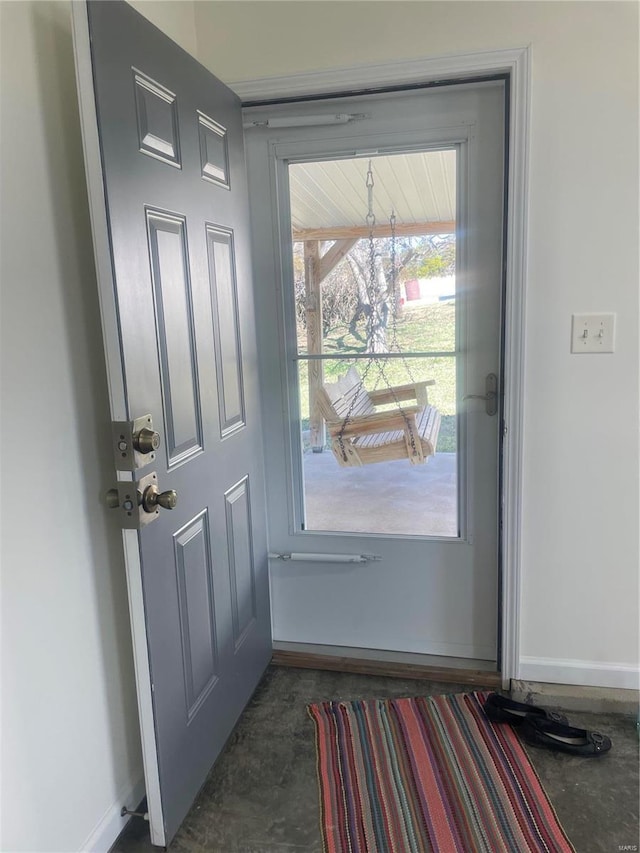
430,289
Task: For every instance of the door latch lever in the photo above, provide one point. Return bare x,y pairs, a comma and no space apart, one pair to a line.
490,397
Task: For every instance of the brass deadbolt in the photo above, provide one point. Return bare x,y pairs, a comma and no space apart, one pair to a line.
146,441
152,499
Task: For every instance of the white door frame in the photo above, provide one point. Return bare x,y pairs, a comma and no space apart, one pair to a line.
516,63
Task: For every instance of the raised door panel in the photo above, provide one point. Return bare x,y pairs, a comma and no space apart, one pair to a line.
224,296
176,335
241,560
194,575
214,154
157,119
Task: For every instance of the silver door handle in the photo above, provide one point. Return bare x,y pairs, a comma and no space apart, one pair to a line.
491,396
139,501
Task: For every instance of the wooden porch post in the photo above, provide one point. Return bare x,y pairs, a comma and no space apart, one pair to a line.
314,340
316,269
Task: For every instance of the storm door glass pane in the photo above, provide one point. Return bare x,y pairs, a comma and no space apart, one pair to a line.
376,319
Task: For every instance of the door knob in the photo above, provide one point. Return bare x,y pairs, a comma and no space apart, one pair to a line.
152,498
491,396
139,501
146,441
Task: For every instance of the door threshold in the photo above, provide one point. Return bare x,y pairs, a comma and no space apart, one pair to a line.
476,673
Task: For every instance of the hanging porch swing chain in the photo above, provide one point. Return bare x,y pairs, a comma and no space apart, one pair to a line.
396,300
374,317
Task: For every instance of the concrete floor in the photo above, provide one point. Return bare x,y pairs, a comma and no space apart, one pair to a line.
262,795
388,497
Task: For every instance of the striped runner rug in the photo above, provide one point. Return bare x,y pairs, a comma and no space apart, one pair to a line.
428,774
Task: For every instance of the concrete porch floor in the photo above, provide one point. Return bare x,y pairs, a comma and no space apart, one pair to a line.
262,794
387,497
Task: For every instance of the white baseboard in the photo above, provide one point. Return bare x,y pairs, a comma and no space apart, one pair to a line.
583,673
103,836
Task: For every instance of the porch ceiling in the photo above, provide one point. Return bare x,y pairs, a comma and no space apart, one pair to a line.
332,195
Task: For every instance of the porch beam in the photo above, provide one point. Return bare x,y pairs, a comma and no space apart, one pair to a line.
330,260
357,232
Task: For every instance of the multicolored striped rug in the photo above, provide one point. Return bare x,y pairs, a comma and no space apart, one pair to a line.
428,774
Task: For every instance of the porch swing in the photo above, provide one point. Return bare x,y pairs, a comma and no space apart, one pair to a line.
359,433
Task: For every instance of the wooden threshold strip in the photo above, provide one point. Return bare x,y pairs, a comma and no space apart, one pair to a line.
335,663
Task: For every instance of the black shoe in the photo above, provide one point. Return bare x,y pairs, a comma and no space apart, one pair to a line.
501,709
547,733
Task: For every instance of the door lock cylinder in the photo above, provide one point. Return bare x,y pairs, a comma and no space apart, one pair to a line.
135,443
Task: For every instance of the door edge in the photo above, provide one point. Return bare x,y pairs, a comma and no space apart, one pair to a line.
117,402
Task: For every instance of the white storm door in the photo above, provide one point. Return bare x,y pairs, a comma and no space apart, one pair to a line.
431,590
165,163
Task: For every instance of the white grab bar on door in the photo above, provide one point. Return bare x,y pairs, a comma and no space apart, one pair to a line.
324,558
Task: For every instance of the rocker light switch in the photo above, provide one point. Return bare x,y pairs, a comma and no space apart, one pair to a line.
592,332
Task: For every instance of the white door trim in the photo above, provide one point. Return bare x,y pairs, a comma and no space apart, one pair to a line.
517,64
401,73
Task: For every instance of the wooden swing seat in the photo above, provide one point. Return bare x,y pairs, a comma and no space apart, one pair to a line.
373,436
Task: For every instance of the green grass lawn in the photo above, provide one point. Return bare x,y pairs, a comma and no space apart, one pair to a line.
420,329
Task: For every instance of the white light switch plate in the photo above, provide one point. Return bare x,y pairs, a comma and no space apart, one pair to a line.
592,332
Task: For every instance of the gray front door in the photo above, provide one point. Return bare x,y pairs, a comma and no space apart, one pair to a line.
180,340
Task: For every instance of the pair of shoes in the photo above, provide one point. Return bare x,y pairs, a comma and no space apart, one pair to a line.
565,738
501,709
540,727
